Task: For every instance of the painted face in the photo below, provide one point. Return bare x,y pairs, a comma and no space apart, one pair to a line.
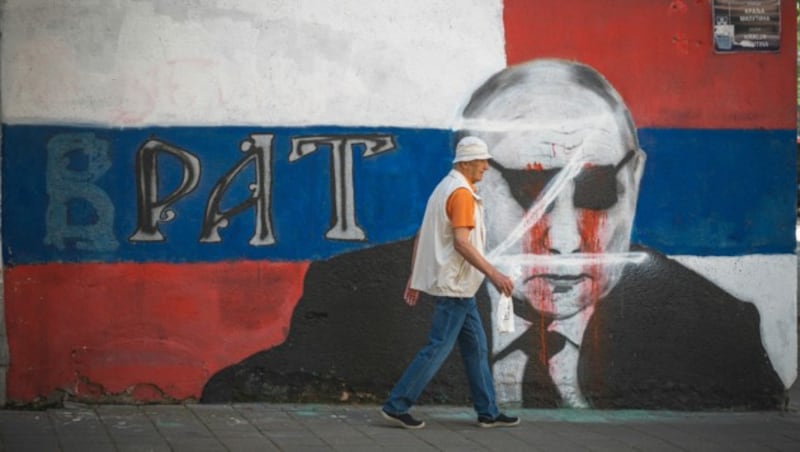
560,195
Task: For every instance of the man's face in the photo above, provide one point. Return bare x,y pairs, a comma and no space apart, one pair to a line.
474,169
556,258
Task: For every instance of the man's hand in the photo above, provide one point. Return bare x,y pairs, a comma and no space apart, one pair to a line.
411,295
502,283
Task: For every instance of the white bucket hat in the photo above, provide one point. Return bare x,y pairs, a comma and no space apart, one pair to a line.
471,148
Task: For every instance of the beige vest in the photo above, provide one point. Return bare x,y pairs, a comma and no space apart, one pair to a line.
439,269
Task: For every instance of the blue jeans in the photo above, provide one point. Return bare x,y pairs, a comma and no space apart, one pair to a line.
453,319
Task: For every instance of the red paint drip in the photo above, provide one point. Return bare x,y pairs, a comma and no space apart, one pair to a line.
591,225
538,242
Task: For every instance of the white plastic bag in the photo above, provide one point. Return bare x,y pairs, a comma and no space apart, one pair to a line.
505,314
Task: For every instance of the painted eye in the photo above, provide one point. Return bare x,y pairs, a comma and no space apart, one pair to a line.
525,185
596,188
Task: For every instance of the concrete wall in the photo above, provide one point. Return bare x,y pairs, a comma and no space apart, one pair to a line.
214,200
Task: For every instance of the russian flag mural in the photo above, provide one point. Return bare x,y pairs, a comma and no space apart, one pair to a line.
215,201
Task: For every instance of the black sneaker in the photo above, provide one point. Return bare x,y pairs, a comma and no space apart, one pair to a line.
500,421
403,420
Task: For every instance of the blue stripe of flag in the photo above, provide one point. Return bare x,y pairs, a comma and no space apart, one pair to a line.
704,192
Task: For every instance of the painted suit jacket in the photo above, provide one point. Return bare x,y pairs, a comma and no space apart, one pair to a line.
664,337
351,336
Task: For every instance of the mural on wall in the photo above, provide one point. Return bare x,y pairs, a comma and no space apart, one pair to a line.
614,330
223,196
600,323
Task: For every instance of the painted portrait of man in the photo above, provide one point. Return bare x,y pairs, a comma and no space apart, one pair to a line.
602,324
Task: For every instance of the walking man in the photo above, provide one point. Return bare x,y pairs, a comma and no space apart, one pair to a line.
449,265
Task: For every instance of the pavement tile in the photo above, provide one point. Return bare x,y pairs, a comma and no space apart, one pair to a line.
633,439
31,445
176,422
334,439
88,446
196,445
295,439
784,446
129,424
750,447
448,438
793,434
405,448
305,448
135,447
224,421
494,439
268,419
393,436
249,444
79,426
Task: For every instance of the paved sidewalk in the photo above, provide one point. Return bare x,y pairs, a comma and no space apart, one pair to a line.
269,427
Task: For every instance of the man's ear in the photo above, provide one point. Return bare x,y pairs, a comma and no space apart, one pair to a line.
638,162
637,170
